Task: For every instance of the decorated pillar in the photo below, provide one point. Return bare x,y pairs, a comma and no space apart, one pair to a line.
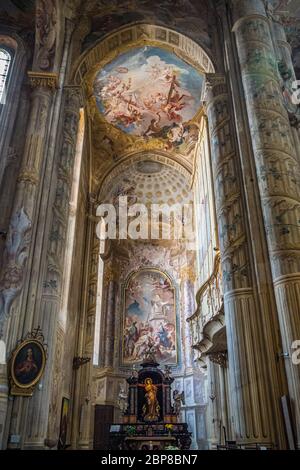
20,232
278,173
109,314
247,354
44,407
289,85
83,410
187,276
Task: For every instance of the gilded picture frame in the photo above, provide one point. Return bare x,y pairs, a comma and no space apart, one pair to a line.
27,366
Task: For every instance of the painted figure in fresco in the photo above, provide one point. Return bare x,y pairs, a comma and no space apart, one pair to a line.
151,408
131,337
163,336
149,318
27,370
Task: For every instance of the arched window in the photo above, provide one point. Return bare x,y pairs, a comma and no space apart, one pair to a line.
5,61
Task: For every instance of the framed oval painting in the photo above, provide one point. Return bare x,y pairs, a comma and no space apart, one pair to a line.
27,366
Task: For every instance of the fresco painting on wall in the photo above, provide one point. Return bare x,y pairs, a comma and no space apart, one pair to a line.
122,94
149,318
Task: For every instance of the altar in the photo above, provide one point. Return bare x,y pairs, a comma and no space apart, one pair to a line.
150,421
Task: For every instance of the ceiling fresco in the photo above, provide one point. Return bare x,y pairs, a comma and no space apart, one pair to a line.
149,92
188,17
148,182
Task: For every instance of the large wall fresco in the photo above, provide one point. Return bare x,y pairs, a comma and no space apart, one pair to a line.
123,96
149,318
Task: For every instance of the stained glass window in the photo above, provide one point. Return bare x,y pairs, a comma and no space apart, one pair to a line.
5,59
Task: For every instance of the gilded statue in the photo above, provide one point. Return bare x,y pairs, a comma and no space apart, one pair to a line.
151,408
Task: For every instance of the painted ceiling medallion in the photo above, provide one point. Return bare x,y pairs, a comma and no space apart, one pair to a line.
149,92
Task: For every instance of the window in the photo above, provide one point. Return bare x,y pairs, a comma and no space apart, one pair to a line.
5,60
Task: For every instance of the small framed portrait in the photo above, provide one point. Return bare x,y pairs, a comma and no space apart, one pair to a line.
27,366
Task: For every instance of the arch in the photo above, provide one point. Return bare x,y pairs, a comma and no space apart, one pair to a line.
119,41
162,157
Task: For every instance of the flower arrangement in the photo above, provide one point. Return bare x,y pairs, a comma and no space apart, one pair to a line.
169,428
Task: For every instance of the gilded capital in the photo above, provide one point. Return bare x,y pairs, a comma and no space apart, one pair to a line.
43,80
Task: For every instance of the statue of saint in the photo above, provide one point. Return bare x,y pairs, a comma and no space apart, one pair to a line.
179,400
151,408
122,400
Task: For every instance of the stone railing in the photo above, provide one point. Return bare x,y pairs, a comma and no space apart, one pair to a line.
209,306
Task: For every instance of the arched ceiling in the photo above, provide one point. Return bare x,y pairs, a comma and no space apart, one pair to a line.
188,17
144,88
147,182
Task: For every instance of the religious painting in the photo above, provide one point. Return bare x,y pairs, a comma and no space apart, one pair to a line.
149,318
150,92
27,366
62,441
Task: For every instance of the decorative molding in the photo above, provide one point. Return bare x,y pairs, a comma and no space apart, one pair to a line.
219,358
43,80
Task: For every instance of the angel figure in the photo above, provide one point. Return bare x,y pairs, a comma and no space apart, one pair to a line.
179,400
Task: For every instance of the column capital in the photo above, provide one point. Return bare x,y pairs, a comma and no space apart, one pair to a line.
43,80
215,84
219,358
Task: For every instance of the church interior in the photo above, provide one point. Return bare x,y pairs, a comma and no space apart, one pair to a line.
149,224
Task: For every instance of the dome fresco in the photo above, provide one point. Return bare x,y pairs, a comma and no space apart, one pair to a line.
149,92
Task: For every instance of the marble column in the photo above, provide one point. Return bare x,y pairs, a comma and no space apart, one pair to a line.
83,411
20,234
288,77
187,283
44,408
213,411
278,173
20,238
110,323
248,357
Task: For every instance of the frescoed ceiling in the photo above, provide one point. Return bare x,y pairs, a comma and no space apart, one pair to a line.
148,182
148,92
189,17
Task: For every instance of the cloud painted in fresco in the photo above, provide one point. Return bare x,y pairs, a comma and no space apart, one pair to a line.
147,91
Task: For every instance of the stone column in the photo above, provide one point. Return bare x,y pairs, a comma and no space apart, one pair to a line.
109,315
187,277
20,236
248,356
44,407
21,226
278,173
288,77
213,412
83,411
